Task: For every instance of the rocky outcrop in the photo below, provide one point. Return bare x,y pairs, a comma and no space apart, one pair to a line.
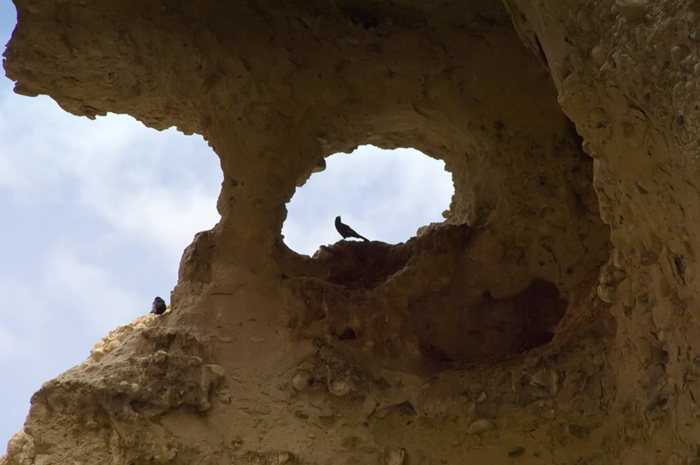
625,74
550,319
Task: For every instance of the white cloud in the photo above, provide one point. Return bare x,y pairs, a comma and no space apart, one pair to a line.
87,293
21,315
18,345
11,344
155,214
154,187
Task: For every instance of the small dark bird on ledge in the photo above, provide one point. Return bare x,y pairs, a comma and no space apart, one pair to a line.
347,231
158,306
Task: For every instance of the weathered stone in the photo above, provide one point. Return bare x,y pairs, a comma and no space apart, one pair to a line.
553,316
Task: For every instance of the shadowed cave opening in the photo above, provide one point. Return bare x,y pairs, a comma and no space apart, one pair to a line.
384,195
374,298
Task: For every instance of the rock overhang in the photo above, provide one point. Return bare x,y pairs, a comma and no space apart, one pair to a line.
501,290
275,90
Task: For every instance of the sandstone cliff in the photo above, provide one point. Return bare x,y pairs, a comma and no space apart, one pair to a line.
552,318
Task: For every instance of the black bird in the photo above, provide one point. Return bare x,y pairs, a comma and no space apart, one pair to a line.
158,306
347,231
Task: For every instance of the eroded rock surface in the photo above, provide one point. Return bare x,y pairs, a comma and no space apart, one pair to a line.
550,319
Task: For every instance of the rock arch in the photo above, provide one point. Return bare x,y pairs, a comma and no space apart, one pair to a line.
509,317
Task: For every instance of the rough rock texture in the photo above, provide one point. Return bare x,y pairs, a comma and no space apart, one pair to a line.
553,316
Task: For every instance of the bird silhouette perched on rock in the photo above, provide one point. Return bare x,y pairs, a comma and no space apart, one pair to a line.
347,231
158,306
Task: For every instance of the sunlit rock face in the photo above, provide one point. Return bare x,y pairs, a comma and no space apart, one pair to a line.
550,319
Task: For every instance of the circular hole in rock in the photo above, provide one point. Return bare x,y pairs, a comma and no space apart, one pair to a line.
384,195
348,334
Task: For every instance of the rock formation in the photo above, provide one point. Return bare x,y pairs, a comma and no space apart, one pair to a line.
553,316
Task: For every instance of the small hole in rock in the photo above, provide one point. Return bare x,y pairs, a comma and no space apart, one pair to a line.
384,195
406,408
347,334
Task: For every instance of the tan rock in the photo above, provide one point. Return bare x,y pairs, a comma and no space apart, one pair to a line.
558,301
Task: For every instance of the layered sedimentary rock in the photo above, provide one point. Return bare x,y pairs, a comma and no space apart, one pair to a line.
550,319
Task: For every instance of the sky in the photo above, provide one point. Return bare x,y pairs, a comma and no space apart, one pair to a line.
96,214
